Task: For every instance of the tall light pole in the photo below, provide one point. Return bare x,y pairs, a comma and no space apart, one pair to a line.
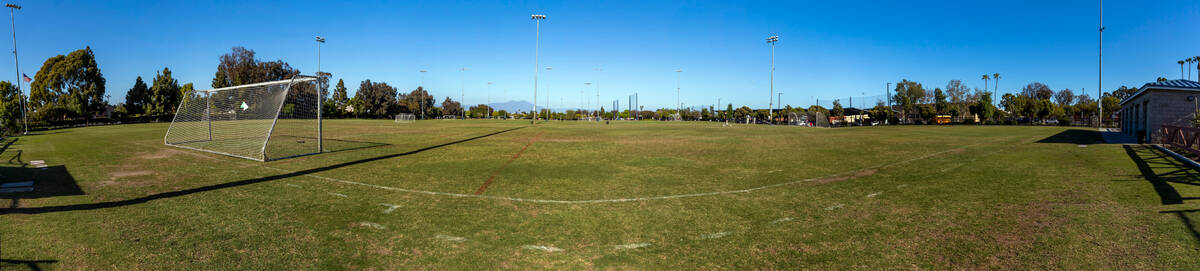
548,69
320,97
537,19
888,88
489,100
462,91
678,79
770,106
598,113
583,99
1100,72
17,65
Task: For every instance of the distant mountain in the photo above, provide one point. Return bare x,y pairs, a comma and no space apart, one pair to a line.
512,106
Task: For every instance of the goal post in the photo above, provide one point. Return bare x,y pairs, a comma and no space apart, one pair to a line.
261,121
405,118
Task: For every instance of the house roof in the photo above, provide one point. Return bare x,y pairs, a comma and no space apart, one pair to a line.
1177,84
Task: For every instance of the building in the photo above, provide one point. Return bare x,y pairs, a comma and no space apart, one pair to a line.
1172,102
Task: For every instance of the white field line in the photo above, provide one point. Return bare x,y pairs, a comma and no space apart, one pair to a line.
834,206
781,220
542,248
450,238
872,195
372,225
390,207
747,190
338,195
716,235
292,185
632,246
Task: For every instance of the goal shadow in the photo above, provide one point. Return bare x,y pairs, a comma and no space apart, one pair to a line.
172,194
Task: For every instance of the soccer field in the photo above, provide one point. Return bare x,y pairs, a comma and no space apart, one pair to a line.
478,194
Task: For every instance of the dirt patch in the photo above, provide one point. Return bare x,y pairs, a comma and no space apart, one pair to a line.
123,174
169,152
857,174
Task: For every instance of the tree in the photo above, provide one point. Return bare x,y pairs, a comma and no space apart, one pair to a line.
68,86
417,102
728,111
10,108
985,80
137,98
984,107
837,109
908,95
450,107
164,94
340,99
240,67
1064,97
378,100
940,103
1038,91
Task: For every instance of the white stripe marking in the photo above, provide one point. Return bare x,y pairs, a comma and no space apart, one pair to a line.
542,248
781,220
716,235
872,195
372,225
450,238
391,207
835,206
338,195
632,246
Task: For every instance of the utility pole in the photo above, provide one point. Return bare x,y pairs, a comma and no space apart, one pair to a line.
17,65
537,18
548,110
598,113
770,105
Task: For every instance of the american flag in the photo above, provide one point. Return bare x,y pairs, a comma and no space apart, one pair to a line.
26,78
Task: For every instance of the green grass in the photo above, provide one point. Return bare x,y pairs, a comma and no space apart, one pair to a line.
702,196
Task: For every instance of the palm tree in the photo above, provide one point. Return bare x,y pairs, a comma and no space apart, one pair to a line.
1189,62
1197,60
1181,67
985,80
995,90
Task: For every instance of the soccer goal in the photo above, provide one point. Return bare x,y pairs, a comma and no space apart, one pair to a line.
261,121
405,118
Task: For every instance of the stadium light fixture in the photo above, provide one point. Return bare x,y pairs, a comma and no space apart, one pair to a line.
771,106
537,19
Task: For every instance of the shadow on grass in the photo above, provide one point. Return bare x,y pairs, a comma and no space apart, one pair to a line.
172,194
31,265
1075,136
51,181
1163,171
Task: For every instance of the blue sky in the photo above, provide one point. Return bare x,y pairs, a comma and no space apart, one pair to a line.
827,49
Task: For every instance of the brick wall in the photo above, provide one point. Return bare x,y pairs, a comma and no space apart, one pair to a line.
1169,107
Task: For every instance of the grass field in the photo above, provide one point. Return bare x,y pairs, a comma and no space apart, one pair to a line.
647,195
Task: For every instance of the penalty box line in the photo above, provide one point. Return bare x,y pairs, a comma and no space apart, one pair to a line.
618,200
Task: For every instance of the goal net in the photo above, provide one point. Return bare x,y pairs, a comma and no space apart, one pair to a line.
261,121
405,118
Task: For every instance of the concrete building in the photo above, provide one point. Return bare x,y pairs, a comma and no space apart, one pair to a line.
1172,102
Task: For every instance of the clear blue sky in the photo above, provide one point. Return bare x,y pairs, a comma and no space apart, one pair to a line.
827,49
